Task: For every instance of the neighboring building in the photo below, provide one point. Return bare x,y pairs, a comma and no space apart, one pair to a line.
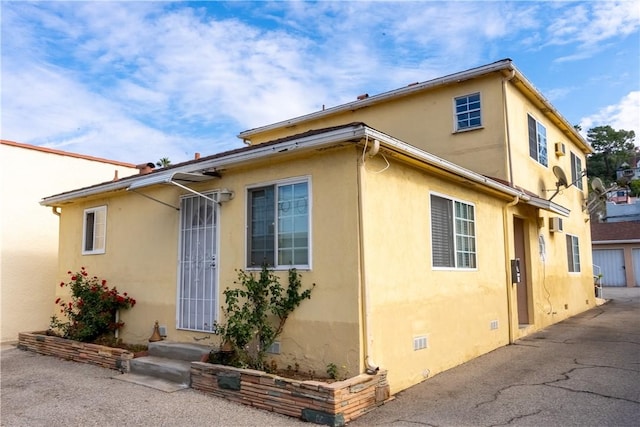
616,240
29,244
421,261
616,252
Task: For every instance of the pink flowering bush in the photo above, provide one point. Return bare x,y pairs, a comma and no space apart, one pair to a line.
91,313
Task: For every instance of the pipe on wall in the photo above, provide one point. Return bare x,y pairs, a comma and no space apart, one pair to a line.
370,365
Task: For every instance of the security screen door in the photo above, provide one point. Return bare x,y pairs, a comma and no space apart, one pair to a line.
197,294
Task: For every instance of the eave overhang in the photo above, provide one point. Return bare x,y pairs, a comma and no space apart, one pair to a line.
355,133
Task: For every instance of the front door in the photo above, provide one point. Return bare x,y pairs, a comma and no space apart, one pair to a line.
198,291
522,288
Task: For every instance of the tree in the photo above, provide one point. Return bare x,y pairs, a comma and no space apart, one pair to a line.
612,149
163,162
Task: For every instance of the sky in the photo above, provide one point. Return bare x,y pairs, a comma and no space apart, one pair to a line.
139,81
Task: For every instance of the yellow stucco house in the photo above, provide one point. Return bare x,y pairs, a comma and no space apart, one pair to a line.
438,221
29,241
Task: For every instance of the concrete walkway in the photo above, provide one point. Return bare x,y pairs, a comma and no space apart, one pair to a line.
582,372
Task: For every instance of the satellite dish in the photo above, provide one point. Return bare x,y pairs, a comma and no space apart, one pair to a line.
597,186
562,178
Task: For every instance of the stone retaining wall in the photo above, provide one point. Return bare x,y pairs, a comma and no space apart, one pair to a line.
331,404
100,355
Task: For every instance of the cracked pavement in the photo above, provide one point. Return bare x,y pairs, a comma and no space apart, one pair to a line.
584,371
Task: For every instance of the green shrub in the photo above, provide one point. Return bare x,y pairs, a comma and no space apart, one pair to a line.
91,312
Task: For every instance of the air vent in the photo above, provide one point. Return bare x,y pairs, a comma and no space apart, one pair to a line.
274,348
561,150
493,325
420,343
555,224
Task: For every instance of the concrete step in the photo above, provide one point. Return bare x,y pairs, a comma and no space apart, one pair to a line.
178,350
177,371
152,382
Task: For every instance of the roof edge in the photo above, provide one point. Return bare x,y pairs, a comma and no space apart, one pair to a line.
66,153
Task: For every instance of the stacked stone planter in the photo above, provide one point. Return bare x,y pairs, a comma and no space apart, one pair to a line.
331,404
94,354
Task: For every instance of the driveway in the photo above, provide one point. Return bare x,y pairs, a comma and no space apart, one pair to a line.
584,372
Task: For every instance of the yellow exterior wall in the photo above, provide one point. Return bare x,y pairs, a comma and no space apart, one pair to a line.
452,308
426,120
29,241
142,257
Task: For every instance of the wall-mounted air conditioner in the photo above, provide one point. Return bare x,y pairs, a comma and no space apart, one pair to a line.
555,224
561,150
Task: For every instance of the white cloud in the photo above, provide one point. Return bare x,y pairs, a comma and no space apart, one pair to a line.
623,115
591,25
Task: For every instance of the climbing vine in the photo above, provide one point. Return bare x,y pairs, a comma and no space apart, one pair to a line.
256,311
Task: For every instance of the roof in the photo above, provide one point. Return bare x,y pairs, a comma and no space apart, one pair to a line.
210,167
504,66
612,232
65,153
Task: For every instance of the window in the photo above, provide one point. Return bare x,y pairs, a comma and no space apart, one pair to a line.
576,171
468,112
573,253
278,225
537,141
453,241
94,230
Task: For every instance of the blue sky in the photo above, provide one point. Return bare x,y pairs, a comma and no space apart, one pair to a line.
137,81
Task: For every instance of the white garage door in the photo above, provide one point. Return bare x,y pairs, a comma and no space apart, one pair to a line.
636,265
611,263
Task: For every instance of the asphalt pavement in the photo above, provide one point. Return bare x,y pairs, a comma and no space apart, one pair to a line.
584,371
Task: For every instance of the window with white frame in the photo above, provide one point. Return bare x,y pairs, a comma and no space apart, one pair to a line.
537,140
573,253
278,225
468,112
94,231
576,170
453,234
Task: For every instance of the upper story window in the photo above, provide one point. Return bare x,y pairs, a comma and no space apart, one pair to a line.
576,171
453,234
573,253
94,230
278,225
537,141
468,112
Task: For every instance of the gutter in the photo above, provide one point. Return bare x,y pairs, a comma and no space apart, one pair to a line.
236,158
614,242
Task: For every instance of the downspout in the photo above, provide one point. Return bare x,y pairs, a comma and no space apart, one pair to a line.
55,211
505,80
507,263
370,366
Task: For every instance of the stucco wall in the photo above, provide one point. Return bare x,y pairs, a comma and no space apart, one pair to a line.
142,256
426,120
29,242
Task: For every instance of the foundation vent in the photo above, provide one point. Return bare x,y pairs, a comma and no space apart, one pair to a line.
420,343
274,348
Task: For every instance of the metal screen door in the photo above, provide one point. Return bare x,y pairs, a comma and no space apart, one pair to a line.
197,295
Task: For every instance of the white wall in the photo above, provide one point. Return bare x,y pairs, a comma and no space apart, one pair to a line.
29,232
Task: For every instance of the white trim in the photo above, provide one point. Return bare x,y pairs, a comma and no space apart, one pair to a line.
455,251
103,229
277,183
455,113
613,242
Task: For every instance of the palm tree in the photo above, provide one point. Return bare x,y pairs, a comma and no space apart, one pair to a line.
163,162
